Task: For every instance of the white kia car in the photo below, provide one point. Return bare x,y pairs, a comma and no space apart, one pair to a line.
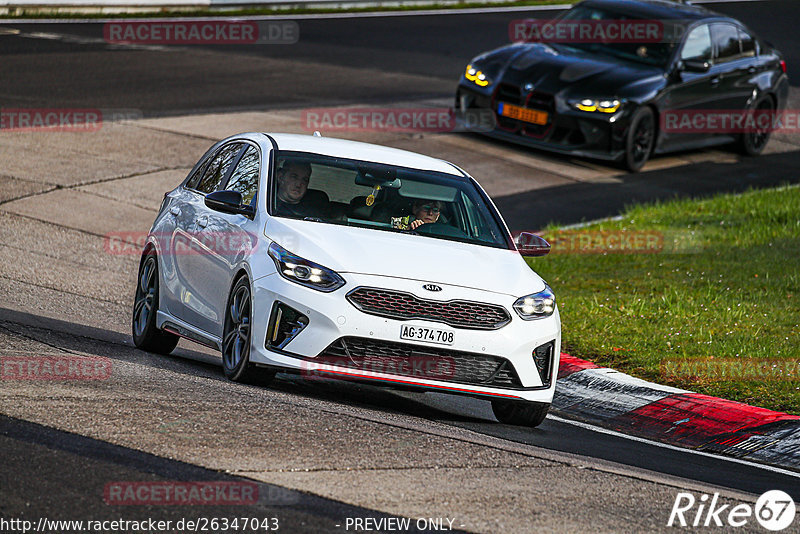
339,259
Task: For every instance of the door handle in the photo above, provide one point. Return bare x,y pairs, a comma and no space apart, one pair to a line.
752,70
202,222
175,210
715,81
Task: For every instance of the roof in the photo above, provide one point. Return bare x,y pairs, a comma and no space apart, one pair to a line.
655,9
343,148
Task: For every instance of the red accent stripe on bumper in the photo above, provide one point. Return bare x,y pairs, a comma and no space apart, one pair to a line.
412,383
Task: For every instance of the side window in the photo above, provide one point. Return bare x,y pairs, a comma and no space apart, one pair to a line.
698,44
726,39
748,43
245,176
191,183
217,168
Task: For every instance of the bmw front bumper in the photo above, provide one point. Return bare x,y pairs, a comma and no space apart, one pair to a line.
567,132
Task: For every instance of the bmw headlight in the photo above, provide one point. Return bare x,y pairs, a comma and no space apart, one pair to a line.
597,105
304,272
536,306
474,75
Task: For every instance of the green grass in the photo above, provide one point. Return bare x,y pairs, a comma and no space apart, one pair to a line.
725,286
42,13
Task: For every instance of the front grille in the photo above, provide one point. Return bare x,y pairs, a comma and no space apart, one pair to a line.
509,93
404,306
429,363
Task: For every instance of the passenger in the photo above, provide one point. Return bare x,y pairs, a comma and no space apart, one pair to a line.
422,212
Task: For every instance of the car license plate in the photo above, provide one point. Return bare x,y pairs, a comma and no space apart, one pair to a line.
534,116
431,335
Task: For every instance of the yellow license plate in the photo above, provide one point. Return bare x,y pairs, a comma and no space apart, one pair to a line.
533,116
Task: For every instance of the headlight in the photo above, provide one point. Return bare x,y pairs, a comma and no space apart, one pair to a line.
602,105
304,272
476,76
538,305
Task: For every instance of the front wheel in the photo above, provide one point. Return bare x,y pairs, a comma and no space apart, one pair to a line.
236,337
520,413
146,335
640,139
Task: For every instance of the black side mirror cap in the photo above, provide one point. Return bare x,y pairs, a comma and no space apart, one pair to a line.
229,202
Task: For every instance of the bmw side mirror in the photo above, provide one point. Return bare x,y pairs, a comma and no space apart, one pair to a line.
529,244
228,202
696,65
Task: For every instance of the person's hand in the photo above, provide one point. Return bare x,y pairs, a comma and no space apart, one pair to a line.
416,223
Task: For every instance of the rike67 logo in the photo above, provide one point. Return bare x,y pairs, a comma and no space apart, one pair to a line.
774,510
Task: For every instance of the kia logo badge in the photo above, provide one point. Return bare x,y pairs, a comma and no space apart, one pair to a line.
432,287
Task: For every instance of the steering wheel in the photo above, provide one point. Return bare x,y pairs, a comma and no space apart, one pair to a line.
439,229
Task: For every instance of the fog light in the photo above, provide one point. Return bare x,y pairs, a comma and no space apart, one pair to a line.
284,324
543,358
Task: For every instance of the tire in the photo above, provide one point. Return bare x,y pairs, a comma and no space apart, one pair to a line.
237,338
520,413
753,143
640,139
145,308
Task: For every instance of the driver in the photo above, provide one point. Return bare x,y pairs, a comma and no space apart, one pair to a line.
293,178
422,212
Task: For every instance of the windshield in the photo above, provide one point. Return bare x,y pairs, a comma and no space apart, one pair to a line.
656,52
383,197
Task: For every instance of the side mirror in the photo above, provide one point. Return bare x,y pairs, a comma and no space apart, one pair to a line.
529,244
696,65
229,202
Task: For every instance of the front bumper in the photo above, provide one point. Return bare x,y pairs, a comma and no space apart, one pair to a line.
331,318
568,132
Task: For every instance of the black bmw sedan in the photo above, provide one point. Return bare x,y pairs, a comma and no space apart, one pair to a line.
621,80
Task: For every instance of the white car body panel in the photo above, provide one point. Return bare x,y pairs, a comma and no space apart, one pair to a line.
360,250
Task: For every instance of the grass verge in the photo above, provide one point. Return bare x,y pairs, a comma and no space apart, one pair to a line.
699,294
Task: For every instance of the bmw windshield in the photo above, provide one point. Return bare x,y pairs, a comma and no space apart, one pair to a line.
383,197
654,51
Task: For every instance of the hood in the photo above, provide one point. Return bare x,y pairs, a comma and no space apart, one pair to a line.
348,249
555,69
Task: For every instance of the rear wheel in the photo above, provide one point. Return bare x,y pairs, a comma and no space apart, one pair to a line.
145,308
753,143
640,139
236,338
520,413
